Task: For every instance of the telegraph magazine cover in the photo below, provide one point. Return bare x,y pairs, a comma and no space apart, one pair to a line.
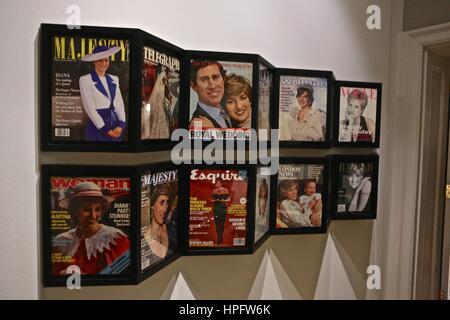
355,190
90,223
262,202
160,94
357,114
302,109
218,208
159,216
220,100
89,89
300,202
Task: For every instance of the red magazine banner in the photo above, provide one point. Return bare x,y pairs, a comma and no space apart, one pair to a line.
218,208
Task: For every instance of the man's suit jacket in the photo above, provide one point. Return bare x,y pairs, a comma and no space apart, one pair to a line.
200,112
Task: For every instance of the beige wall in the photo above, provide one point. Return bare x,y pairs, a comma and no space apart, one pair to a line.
425,13
231,277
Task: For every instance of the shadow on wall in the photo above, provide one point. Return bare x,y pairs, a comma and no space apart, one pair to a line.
231,277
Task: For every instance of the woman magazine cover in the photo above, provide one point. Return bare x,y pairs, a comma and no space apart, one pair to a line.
159,212
160,94
300,202
90,224
218,208
302,109
89,89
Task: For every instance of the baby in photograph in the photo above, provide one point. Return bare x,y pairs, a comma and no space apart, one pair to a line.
311,202
303,211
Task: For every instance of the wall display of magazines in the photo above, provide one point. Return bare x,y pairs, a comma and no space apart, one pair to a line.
125,90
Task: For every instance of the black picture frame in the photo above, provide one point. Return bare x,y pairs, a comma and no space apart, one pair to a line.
47,171
329,76
264,234
162,167
253,59
47,142
337,109
185,196
373,159
160,47
325,161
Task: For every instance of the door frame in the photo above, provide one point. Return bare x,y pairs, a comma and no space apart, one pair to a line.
404,129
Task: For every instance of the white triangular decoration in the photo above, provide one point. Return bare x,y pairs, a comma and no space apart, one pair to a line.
272,282
333,280
178,289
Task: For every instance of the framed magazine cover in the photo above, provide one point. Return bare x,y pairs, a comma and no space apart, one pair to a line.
355,187
88,88
357,114
262,191
300,196
159,225
88,219
265,99
222,99
161,77
219,209
302,107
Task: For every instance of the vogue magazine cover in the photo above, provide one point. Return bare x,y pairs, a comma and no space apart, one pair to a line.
299,203
357,114
218,208
90,84
90,224
159,212
220,100
262,202
302,109
160,94
355,190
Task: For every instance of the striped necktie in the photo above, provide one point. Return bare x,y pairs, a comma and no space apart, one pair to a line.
225,118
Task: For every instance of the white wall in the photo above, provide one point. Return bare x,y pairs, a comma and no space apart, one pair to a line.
319,34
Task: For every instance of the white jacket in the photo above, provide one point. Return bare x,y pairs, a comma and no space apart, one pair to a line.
94,99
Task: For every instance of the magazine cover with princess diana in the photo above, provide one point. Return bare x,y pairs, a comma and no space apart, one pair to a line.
355,190
220,100
90,221
159,212
89,89
300,201
160,94
357,114
265,89
262,202
302,109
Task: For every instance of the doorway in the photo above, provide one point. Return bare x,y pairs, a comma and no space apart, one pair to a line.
417,157
430,234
